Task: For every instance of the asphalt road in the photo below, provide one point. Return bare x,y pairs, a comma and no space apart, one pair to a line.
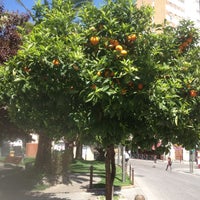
159,184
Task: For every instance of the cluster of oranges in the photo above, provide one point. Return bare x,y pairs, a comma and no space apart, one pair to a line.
132,37
131,84
114,44
185,44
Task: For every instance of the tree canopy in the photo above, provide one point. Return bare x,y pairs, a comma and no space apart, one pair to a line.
136,74
130,75
43,77
115,68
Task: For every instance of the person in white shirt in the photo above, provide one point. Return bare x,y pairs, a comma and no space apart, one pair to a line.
126,156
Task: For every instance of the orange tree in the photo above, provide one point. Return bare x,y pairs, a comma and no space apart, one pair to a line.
140,78
175,91
128,75
42,80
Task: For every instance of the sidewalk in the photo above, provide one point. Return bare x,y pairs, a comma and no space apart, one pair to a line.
188,170
78,189
184,167
12,187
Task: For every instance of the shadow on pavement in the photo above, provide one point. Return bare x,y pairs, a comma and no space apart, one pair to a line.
17,184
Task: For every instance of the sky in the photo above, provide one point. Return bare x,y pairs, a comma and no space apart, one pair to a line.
12,5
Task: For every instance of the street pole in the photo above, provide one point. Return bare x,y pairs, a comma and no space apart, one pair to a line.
123,165
191,160
119,154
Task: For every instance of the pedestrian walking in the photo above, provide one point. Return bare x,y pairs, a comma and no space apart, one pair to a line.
169,164
154,160
127,156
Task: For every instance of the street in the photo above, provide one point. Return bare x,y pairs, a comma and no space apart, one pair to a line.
159,184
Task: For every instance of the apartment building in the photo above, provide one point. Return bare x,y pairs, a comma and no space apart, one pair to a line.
174,10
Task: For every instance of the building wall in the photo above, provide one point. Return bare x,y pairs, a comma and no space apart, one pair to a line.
31,149
160,11
174,10
159,8
192,11
87,153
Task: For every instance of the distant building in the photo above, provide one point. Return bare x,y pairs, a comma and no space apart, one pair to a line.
174,10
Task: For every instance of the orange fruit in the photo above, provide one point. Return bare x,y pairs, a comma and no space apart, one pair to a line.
112,74
123,91
140,86
119,48
93,86
129,37
132,37
193,93
26,69
123,52
114,42
56,62
99,73
94,40
107,73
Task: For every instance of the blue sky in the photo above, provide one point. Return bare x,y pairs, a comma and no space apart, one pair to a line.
12,5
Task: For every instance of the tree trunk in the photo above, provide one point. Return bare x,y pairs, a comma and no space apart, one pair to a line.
66,161
78,149
110,171
67,156
43,157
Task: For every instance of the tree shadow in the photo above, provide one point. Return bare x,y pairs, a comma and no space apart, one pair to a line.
17,184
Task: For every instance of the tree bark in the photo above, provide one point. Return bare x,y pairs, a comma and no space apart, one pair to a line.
66,160
110,171
43,157
67,156
78,149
